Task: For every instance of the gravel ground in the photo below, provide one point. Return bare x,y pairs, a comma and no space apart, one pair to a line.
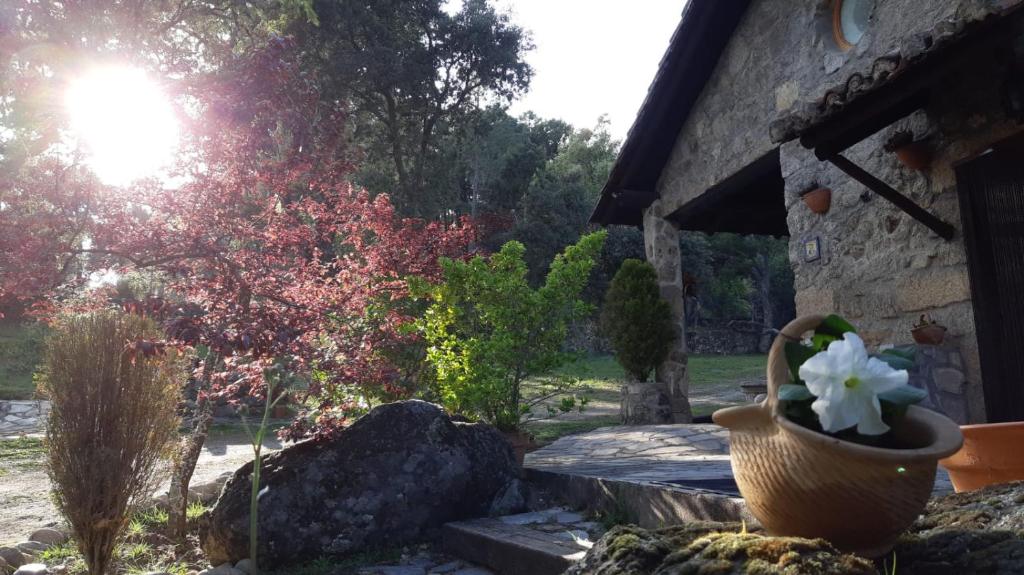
25,489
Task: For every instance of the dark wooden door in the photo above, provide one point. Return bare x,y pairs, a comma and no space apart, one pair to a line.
991,190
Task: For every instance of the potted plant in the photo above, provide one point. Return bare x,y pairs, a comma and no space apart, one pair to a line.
818,199
928,332
914,154
836,450
990,455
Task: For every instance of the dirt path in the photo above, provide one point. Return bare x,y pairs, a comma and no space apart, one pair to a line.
25,489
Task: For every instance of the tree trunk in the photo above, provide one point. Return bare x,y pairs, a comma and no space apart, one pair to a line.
188,455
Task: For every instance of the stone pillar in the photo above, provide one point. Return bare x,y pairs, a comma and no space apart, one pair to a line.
666,400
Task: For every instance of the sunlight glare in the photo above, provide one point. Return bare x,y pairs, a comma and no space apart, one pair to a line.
125,121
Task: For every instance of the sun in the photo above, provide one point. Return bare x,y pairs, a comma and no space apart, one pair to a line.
125,122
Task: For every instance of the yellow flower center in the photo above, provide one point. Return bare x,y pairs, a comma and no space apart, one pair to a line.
851,383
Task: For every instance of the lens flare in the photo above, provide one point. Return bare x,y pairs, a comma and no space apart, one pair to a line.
125,122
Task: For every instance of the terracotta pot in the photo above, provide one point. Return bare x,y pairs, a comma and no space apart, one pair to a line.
819,200
799,482
991,454
281,412
931,334
522,443
915,155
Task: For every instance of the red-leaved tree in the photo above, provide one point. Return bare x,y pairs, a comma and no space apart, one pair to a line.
271,256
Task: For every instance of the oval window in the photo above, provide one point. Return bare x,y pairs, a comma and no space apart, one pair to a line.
850,20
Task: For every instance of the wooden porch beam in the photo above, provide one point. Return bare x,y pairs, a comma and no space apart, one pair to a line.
943,229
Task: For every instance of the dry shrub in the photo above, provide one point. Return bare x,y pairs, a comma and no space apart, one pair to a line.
113,418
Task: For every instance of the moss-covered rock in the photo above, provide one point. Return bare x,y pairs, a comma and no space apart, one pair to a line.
714,549
979,532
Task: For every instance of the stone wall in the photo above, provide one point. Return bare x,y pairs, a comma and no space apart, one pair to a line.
939,370
724,340
17,417
878,267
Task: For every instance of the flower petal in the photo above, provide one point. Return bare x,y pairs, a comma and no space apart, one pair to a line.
881,377
870,414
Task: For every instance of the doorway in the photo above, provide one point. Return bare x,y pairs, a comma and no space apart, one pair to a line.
991,190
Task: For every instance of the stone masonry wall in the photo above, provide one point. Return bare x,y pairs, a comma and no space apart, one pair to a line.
879,268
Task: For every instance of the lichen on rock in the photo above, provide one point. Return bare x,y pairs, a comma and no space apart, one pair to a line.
975,532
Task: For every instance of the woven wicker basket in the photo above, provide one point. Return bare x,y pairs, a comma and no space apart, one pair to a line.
803,483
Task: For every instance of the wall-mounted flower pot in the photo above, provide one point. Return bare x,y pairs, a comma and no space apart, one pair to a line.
915,155
931,334
818,200
990,455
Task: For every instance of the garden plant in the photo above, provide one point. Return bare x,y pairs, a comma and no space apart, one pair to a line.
488,330
114,397
636,319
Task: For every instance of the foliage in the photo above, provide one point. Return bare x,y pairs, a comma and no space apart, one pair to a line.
414,73
797,398
270,253
556,206
488,330
113,417
637,320
740,277
21,346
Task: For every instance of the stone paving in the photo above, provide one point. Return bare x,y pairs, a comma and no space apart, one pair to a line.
22,417
684,455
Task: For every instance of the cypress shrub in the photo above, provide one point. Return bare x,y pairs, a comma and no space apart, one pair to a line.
114,395
636,319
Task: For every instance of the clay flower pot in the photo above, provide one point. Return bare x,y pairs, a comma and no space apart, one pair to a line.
819,200
932,334
991,454
799,482
915,155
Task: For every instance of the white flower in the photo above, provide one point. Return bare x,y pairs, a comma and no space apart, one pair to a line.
847,383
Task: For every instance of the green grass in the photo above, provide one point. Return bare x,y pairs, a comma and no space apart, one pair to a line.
545,432
21,454
20,353
604,376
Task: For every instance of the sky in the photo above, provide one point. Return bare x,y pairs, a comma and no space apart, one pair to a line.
593,57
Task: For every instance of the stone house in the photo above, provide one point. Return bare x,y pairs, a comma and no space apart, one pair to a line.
757,102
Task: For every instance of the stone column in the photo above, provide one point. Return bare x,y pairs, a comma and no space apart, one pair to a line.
664,401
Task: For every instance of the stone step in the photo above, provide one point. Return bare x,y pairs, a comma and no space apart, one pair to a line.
541,543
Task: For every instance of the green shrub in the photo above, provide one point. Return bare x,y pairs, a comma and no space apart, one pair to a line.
487,330
113,418
636,320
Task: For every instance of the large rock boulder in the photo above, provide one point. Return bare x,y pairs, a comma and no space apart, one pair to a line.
976,532
393,477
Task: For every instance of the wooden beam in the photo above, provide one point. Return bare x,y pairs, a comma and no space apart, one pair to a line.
943,229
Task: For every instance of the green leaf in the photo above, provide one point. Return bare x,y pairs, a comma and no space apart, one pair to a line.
796,355
821,341
895,361
792,392
903,395
835,326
